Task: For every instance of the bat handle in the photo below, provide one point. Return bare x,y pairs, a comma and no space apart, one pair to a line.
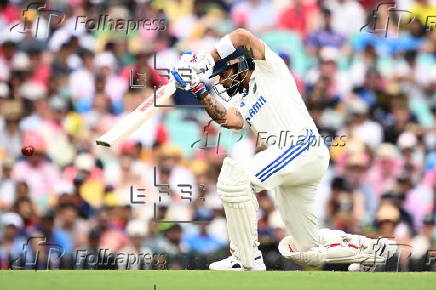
178,78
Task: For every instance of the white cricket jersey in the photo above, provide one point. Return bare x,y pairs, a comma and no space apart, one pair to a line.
273,104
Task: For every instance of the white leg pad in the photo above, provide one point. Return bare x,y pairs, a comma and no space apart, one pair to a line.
327,237
240,206
334,247
337,255
346,248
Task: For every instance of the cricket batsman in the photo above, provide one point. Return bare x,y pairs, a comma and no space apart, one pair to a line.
261,95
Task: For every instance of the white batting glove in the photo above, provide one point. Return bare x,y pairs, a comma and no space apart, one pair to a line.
203,63
188,57
186,77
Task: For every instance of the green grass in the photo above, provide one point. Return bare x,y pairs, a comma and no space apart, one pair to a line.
206,280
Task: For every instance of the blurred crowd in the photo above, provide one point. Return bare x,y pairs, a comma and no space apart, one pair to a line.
367,73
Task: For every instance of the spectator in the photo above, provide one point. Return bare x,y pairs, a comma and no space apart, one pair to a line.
422,9
344,210
422,244
203,241
39,173
57,237
26,209
369,89
348,16
75,228
136,230
368,131
10,135
399,119
385,169
11,225
300,16
326,36
8,187
257,16
171,243
82,82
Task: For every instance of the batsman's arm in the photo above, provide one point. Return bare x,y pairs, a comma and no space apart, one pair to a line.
237,38
229,118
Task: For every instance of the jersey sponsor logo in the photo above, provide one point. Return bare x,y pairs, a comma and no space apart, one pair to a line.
255,108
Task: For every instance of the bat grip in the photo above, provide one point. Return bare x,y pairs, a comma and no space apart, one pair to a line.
178,78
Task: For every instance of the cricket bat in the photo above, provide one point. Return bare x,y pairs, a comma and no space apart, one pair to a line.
136,118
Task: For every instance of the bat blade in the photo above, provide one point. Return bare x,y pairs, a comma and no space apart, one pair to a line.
136,118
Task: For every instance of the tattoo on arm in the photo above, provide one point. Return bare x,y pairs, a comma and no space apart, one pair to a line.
215,109
251,51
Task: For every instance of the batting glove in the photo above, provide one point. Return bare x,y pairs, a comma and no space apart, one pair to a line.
203,63
186,77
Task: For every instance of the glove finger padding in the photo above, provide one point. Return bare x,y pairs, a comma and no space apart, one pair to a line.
203,63
188,57
185,77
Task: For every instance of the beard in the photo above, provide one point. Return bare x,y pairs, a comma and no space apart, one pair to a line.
237,88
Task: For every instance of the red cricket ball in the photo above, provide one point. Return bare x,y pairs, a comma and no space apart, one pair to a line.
27,150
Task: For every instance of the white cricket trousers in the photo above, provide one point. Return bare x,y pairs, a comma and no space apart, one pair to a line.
293,173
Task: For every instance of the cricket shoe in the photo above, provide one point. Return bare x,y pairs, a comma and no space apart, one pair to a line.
232,264
355,267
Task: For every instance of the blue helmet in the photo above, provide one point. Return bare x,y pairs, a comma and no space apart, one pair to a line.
223,64
244,62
